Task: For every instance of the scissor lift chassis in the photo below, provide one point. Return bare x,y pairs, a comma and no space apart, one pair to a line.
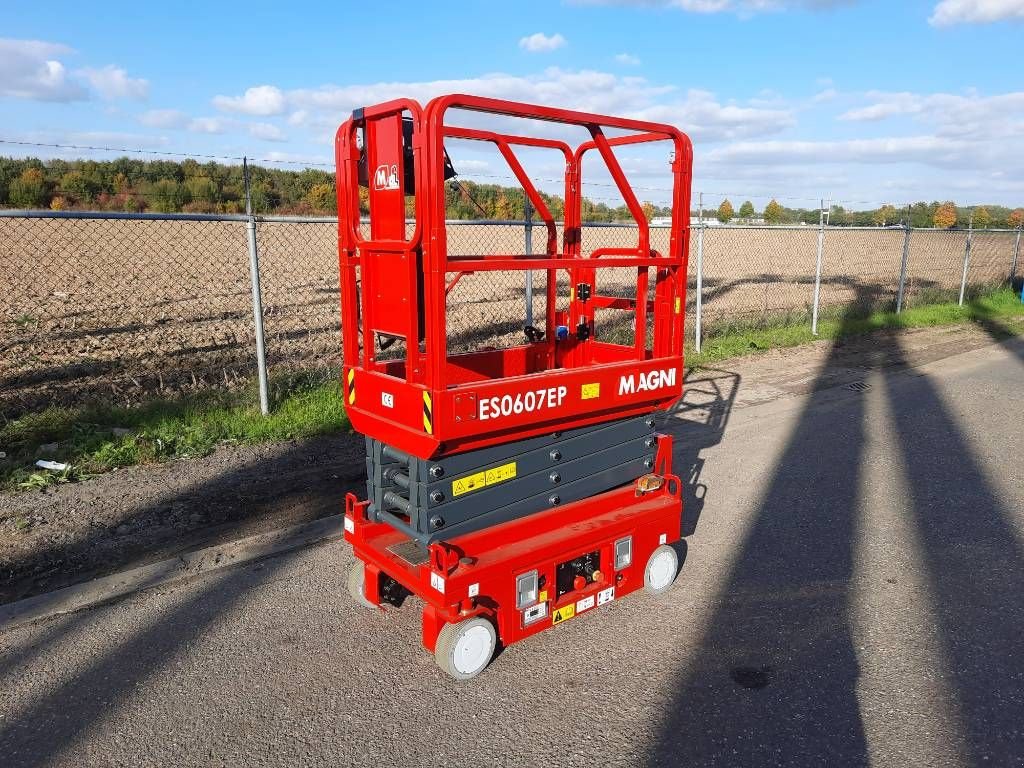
477,575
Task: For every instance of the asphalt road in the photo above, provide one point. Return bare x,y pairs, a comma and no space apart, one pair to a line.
853,593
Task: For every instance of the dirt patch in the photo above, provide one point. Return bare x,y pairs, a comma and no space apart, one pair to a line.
130,517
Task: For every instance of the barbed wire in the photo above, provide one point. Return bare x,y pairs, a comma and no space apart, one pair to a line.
165,153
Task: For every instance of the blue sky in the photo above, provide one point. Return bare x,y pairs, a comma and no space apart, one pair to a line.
858,101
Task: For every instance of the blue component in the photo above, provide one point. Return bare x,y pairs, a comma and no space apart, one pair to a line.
562,332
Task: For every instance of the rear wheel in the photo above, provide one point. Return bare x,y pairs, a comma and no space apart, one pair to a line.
357,584
465,649
661,570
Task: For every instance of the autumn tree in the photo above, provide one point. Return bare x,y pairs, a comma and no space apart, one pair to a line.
725,212
773,212
29,189
945,215
201,190
165,196
747,210
982,218
502,207
78,186
648,211
1016,218
884,215
321,197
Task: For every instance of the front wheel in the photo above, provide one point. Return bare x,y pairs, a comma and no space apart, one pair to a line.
661,570
464,650
357,584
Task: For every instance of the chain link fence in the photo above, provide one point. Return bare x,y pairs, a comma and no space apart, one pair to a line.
120,307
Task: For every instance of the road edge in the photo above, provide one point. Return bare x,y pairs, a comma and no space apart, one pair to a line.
104,589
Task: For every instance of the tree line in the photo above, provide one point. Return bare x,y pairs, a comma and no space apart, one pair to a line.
935,214
168,186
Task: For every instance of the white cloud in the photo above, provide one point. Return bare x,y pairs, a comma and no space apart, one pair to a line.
628,59
177,120
208,125
932,149
541,43
743,8
950,12
705,119
267,132
261,100
29,69
950,114
697,112
164,118
828,94
113,83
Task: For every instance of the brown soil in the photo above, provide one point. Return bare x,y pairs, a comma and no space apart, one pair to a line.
123,310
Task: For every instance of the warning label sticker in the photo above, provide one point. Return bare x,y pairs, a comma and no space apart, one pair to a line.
563,614
584,604
590,391
468,483
500,474
479,480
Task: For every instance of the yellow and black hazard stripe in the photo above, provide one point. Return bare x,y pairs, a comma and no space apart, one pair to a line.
351,382
428,413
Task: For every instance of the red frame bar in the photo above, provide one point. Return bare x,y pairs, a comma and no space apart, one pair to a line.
423,378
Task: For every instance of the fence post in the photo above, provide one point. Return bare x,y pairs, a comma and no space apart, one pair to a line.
903,266
528,239
257,296
817,269
1016,255
699,319
967,258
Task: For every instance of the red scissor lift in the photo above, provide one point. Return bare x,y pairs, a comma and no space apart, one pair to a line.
509,488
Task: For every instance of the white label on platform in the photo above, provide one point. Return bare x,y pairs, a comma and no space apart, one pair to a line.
387,399
437,582
538,611
606,595
350,524
474,589
635,383
523,402
584,604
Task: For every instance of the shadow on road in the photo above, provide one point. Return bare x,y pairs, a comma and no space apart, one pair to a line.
973,556
62,716
697,422
775,675
774,679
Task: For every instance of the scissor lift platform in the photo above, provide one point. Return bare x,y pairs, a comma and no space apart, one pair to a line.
509,487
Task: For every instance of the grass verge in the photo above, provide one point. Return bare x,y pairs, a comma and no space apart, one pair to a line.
737,341
96,439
